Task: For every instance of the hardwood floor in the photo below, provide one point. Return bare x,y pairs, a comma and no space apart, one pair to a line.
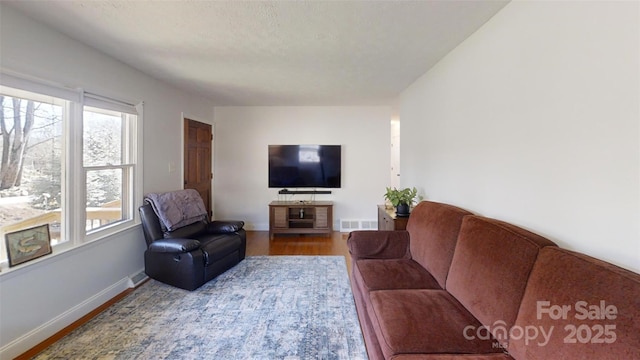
258,243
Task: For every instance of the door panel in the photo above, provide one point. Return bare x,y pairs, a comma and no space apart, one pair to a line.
197,159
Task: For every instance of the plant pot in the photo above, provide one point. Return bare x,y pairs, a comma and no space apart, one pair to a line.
402,210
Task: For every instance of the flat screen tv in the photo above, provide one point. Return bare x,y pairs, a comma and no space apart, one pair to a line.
305,166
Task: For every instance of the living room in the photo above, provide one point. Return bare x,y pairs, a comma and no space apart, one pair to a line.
533,119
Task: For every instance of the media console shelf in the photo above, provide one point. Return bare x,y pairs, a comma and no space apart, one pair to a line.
300,217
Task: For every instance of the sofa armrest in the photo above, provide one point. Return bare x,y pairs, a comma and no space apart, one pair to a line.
174,245
221,226
379,244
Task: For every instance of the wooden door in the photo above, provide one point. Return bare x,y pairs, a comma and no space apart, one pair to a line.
197,159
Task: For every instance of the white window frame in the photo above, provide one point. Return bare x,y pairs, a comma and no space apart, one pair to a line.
74,233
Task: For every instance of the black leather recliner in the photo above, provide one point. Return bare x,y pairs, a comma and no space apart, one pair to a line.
191,255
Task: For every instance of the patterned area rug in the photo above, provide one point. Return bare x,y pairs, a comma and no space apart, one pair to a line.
266,307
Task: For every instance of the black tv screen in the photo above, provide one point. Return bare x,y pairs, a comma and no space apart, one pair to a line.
305,166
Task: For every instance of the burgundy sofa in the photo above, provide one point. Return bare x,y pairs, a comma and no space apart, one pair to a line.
459,286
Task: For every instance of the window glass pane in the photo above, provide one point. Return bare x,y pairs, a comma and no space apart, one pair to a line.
31,146
104,197
106,158
102,137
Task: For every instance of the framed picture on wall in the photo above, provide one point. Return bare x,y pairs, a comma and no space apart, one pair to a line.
28,244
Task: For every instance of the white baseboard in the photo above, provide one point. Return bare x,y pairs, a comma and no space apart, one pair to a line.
50,328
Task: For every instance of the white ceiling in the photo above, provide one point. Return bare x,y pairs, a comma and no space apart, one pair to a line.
273,52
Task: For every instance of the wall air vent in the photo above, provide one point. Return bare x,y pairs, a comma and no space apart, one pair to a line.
347,225
137,279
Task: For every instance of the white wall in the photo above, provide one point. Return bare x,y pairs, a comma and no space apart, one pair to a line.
39,299
535,120
240,165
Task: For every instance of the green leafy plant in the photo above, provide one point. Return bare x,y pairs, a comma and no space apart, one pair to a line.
405,196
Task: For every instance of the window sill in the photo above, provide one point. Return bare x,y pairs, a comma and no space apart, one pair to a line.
64,250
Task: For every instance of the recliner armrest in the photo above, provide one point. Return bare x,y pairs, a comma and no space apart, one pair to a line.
379,244
174,245
221,226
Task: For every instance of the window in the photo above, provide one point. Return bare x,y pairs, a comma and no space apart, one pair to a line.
71,161
31,165
108,165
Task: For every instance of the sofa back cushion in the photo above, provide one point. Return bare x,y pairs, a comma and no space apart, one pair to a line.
490,268
589,308
187,231
433,230
152,228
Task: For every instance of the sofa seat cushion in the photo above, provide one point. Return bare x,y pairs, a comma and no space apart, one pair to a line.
425,321
391,274
215,247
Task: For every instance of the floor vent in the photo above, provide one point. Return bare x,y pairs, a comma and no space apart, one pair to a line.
347,225
137,279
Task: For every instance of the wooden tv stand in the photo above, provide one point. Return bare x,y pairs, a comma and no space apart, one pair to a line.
300,217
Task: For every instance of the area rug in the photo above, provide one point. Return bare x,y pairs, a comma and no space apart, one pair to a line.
266,307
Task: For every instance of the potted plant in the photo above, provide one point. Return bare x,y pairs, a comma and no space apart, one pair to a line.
401,199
